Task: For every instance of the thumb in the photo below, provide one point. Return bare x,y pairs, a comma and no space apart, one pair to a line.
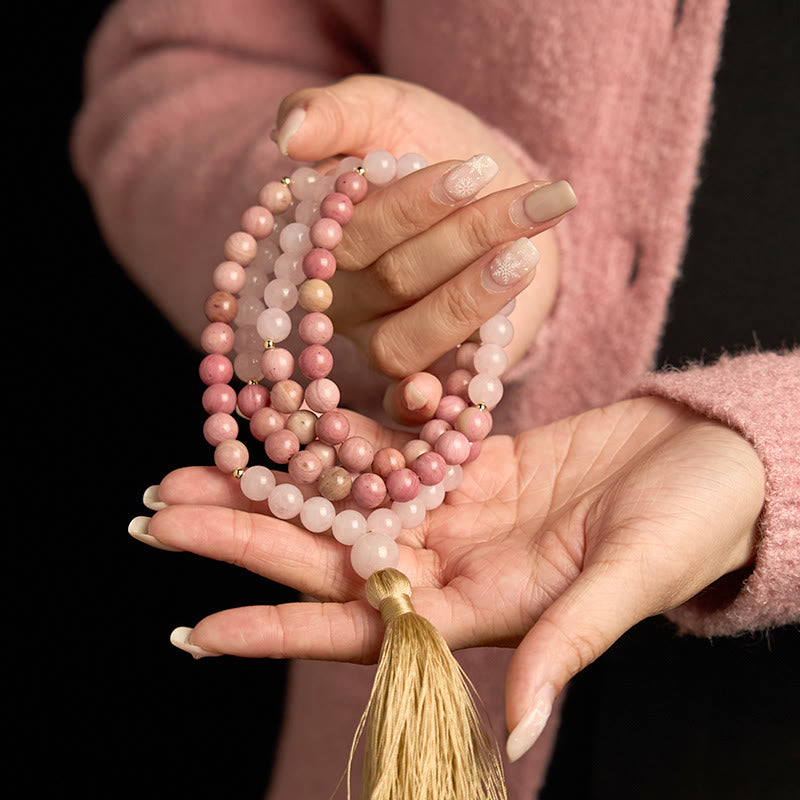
576,629
350,117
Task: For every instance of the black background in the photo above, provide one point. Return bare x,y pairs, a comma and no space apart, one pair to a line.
103,402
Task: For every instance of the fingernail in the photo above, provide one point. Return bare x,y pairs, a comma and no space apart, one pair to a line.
294,119
180,638
543,204
139,528
464,181
152,498
530,727
413,398
510,266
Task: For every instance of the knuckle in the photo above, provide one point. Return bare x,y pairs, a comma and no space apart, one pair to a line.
476,228
391,278
386,353
458,310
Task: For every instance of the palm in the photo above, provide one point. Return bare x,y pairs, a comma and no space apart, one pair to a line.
642,492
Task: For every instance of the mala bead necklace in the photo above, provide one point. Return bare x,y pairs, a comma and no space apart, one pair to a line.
274,276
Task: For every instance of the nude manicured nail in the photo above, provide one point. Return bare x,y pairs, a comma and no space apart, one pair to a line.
543,204
464,181
413,398
180,638
289,127
139,528
152,499
530,727
510,266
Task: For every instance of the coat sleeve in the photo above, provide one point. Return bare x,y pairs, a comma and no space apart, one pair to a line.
758,395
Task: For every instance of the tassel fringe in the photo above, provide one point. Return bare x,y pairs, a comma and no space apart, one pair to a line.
424,739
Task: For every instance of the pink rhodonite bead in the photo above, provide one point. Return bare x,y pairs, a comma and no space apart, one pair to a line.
453,446
373,552
433,429
315,361
474,423
326,233
266,421
304,467
219,427
258,222
450,406
386,461
431,468
315,328
281,445
251,398
353,185
319,263
275,196
368,490
338,207
277,364
332,427
219,397
402,485
215,368
217,337
229,277
355,454
286,396
230,455
322,395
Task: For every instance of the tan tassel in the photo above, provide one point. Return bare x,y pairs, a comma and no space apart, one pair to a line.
424,737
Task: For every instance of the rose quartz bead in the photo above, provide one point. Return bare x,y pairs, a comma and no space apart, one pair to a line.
353,185
349,526
229,277
347,164
258,222
374,552
217,337
326,233
490,359
411,513
307,212
256,483
386,461
430,468
322,395
408,163
337,206
280,293
277,364
247,367
315,361
317,514
215,368
304,467
402,485
286,396
369,490
474,423
315,328
355,454
280,446
255,279
384,520
457,383
433,429
264,422
274,324
219,397
221,307
319,263
453,446
332,427
326,453
290,266
431,496
465,355
450,406
334,483
485,389
315,295
303,425
453,477
249,310
219,427
303,181
231,455
266,256
497,330
285,501
380,167
414,449
247,340
240,247
294,238
275,196
251,398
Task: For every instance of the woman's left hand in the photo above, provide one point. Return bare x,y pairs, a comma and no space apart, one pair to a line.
556,543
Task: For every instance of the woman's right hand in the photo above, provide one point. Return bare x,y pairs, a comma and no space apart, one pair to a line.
426,260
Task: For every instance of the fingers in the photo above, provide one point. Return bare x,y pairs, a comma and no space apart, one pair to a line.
414,400
598,608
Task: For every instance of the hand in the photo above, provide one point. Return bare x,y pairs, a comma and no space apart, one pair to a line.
409,289
556,543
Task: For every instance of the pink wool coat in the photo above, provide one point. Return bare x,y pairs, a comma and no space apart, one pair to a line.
613,95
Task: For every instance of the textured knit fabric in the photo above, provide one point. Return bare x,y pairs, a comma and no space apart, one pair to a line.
613,95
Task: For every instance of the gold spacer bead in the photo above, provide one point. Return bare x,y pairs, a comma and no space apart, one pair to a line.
480,406
237,473
269,344
286,181
360,170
